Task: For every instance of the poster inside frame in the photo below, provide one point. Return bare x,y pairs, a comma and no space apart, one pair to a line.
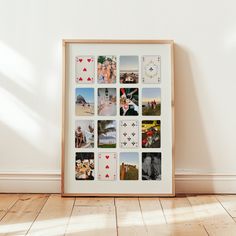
118,118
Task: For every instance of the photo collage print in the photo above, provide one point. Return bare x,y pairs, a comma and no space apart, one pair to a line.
118,113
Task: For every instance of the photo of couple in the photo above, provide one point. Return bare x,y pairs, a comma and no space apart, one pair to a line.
151,166
84,134
151,101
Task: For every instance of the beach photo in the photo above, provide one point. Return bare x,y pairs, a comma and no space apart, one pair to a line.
129,69
84,101
106,101
151,166
129,105
106,69
84,166
84,133
129,165
151,101
151,134
106,134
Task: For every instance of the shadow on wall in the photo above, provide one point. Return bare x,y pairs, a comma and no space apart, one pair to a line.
29,134
191,147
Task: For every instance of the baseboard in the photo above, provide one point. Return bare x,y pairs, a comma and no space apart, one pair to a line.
50,182
30,182
203,183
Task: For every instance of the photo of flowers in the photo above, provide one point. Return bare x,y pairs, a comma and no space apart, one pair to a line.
106,69
106,101
129,69
129,102
106,134
151,134
151,101
84,133
84,166
129,165
84,101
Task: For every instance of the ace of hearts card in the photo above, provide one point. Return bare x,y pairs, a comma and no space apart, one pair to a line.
84,69
129,134
107,166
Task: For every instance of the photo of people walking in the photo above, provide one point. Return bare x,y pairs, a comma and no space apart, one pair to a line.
151,101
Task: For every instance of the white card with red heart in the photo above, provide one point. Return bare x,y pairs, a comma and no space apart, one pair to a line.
107,166
129,134
84,69
151,69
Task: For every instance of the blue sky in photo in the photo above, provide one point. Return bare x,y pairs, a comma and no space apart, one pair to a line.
129,158
87,93
129,63
151,93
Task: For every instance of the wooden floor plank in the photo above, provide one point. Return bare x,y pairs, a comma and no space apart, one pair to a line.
54,217
22,214
180,217
94,201
129,217
229,203
212,215
6,202
36,214
92,221
153,216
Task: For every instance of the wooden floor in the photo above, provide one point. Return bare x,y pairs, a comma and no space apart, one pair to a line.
49,215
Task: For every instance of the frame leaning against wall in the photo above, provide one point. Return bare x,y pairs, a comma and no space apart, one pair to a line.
64,158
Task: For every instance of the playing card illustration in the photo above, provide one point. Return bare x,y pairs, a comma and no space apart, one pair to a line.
129,137
84,69
107,164
151,69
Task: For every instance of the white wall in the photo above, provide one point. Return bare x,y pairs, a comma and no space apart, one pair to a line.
30,83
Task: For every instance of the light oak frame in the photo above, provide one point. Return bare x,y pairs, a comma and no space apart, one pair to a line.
64,70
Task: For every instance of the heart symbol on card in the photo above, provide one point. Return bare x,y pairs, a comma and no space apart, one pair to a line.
80,79
107,167
107,156
84,69
89,79
107,176
89,60
80,60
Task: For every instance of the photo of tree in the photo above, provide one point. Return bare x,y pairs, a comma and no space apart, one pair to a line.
106,133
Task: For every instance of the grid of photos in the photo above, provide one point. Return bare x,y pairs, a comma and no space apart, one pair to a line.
118,118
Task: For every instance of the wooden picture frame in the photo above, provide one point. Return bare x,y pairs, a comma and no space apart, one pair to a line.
148,168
